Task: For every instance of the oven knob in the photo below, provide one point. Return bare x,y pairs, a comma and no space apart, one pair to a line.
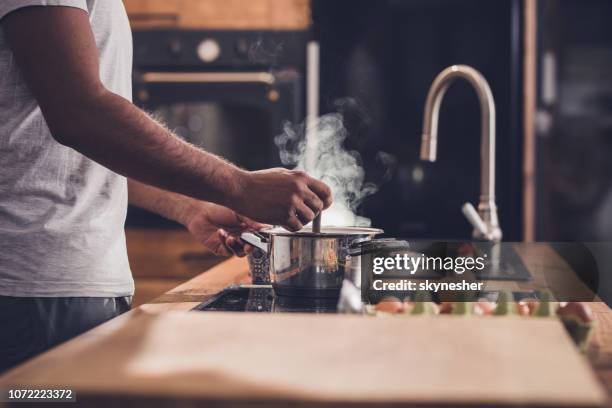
175,48
209,50
242,48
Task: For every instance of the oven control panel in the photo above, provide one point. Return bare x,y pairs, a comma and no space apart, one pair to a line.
219,49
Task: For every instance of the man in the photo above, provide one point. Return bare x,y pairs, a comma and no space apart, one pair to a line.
73,150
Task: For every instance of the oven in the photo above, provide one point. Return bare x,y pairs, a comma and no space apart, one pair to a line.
229,92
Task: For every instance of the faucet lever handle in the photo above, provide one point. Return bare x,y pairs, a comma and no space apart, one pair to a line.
474,218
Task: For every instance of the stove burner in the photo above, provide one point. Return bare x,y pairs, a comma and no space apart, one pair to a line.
261,298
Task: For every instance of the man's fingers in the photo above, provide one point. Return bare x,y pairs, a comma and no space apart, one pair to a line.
304,213
314,202
293,224
247,223
322,191
230,244
221,236
235,246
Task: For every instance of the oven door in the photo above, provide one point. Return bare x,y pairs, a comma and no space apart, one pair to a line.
235,115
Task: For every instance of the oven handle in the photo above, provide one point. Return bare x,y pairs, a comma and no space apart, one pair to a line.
208,77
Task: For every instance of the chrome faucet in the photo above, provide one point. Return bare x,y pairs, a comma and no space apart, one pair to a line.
485,222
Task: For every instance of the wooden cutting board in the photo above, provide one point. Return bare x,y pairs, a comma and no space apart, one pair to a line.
328,359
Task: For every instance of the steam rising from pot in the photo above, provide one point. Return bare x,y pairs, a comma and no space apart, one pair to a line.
326,159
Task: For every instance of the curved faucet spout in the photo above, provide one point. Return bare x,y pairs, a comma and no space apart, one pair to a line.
486,209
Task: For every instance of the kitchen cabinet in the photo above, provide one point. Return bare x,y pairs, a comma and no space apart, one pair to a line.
162,259
220,14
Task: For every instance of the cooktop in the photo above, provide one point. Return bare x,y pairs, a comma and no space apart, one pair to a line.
261,298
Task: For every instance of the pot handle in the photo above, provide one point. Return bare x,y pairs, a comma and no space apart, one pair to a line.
256,239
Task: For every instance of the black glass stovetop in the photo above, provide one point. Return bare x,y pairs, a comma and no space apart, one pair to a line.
261,298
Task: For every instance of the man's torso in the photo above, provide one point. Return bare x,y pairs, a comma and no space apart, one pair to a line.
61,214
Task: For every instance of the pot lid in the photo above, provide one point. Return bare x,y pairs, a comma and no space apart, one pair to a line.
330,232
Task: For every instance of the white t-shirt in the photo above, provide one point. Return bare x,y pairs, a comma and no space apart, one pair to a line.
61,214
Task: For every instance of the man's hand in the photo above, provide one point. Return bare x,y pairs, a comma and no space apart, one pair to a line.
283,197
218,229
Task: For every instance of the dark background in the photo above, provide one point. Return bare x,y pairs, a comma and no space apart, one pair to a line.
383,56
574,127
378,60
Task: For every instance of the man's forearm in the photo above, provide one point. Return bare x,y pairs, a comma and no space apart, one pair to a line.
173,206
118,135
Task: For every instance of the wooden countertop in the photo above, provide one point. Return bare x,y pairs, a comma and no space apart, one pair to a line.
44,368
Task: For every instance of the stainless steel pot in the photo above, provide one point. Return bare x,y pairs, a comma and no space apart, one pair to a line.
308,264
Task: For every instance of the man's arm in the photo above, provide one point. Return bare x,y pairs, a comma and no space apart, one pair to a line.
216,227
173,206
56,52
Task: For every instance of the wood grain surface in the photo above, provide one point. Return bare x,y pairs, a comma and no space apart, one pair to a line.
163,259
168,254
220,14
159,353
331,358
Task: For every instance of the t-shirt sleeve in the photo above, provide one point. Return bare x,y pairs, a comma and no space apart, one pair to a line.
7,6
